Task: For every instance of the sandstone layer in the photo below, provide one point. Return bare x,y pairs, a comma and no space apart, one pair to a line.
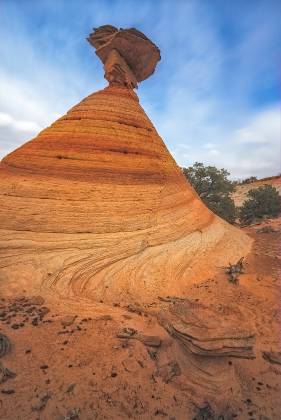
113,298
199,327
95,207
63,358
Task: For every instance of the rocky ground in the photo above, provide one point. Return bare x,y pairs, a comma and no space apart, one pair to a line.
212,353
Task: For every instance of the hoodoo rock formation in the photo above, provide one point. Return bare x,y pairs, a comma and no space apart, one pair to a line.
114,302
128,55
96,207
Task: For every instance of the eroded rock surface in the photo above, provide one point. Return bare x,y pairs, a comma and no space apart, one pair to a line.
127,54
96,207
272,357
98,221
209,330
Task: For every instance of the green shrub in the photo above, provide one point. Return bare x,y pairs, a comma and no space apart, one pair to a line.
263,202
223,206
214,188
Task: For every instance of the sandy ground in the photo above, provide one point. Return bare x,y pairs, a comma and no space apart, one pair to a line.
70,364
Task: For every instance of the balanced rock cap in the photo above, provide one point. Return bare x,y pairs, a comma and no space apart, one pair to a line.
128,55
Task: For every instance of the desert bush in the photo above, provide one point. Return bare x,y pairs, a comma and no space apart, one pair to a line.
249,180
262,202
214,188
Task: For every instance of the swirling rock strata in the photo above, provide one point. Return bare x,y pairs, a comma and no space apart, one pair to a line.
211,331
96,207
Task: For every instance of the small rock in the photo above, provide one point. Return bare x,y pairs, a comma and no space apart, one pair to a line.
72,414
68,320
84,320
152,353
205,413
126,332
8,391
35,322
70,389
105,318
127,316
42,402
30,310
134,308
37,300
149,340
248,401
5,373
159,412
125,344
43,311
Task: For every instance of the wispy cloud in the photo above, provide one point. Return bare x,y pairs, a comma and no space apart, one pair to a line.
213,97
253,148
10,122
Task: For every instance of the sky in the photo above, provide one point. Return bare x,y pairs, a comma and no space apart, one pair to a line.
215,94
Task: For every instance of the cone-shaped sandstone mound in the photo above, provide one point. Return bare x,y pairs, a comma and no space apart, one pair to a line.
96,207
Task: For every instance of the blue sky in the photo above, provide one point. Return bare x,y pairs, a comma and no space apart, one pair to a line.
215,95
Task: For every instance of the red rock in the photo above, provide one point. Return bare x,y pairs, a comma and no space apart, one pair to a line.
127,54
97,199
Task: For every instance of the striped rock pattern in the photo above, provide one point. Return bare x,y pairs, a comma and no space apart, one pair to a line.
95,207
200,329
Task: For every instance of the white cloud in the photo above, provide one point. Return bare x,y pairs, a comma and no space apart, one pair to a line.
7,120
251,149
26,110
263,128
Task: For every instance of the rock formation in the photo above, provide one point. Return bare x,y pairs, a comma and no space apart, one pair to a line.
199,328
127,54
114,300
96,207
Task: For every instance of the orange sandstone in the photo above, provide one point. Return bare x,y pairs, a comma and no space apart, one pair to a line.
96,207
